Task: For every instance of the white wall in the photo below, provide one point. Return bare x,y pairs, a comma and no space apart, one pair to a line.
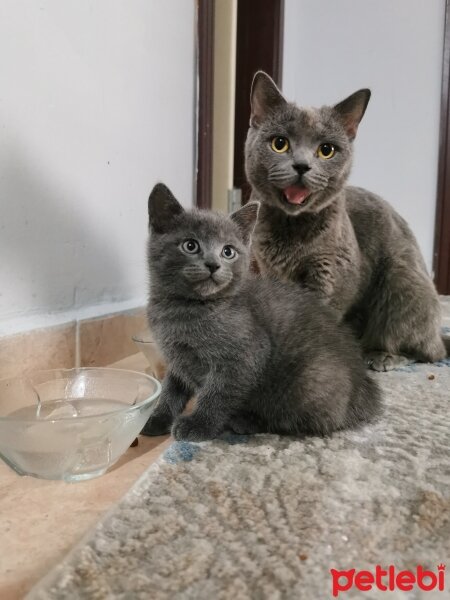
96,105
331,49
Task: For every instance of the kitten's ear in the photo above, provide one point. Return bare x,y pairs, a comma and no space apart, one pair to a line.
245,219
351,111
265,97
162,208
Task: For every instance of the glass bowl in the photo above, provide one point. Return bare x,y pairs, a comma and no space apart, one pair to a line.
72,424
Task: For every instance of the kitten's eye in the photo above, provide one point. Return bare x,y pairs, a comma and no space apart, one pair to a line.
326,151
280,144
190,247
228,252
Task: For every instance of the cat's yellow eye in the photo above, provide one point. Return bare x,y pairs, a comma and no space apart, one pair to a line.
280,144
326,151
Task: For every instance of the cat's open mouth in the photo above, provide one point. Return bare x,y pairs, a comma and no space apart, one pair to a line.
295,194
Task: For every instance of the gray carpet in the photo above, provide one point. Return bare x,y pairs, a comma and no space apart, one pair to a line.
267,517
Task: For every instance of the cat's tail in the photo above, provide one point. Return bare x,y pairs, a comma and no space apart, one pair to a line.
365,404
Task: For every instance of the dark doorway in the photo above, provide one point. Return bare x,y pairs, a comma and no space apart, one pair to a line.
260,25
205,67
442,231
258,46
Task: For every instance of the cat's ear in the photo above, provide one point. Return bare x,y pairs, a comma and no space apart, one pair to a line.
162,208
265,98
351,111
245,219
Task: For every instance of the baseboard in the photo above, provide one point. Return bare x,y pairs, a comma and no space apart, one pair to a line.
90,342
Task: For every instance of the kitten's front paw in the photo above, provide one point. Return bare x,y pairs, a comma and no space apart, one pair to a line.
244,426
158,424
190,428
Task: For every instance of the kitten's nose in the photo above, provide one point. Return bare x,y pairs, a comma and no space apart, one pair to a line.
212,266
301,168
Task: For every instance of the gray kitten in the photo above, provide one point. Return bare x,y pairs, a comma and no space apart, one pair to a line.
345,243
259,355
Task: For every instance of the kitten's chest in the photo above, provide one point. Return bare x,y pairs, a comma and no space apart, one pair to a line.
189,364
193,347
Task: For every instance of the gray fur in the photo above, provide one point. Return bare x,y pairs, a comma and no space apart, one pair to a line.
345,243
252,351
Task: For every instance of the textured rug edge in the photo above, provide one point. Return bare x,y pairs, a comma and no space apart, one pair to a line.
38,591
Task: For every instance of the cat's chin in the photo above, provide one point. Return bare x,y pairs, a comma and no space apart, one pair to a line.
209,288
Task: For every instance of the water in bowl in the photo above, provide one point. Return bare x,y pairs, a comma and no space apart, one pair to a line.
57,437
67,408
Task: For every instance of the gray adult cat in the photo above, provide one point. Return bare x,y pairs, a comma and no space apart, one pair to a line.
259,355
346,243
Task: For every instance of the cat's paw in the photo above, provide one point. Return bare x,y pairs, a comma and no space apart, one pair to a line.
244,425
158,424
383,361
192,429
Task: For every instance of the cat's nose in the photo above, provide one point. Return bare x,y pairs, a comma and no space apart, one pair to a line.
301,168
212,266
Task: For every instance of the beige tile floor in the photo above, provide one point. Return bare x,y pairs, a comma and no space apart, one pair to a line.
41,521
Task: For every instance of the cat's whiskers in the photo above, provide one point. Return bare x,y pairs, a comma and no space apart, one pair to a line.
316,182
282,178
195,273
207,283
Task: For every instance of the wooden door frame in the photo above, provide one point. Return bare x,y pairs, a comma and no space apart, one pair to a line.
441,259
259,29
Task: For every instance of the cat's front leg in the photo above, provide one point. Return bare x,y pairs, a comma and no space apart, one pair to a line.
210,417
174,397
199,426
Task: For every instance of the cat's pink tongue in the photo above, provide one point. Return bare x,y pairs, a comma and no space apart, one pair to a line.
295,194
